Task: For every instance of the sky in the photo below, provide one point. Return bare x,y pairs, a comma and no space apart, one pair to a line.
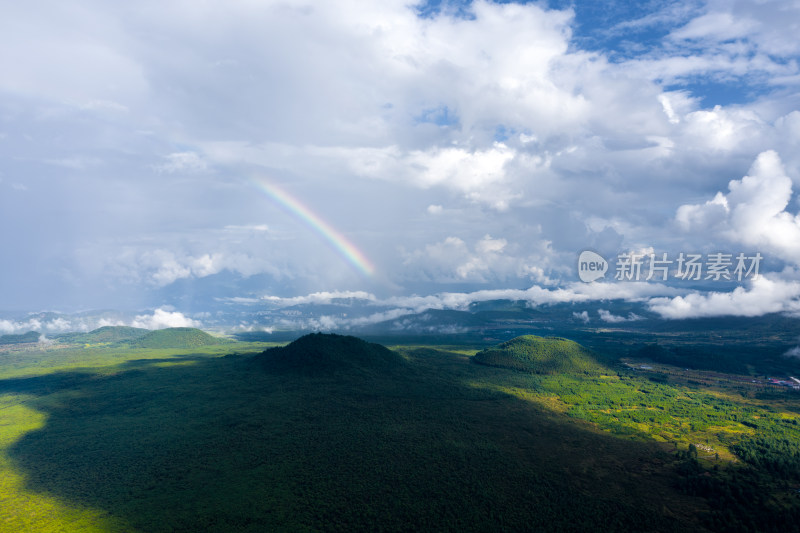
159,155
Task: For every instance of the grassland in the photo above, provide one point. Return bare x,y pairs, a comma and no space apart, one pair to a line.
116,438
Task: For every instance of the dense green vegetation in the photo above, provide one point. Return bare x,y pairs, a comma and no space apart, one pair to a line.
176,338
169,338
774,449
320,353
541,355
31,336
233,438
695,356
103,335
748,350
709,429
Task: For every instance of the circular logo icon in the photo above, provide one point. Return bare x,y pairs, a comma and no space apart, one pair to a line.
591,266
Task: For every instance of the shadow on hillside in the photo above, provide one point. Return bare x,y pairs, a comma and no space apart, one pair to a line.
139,363
45,384
220,446
74,380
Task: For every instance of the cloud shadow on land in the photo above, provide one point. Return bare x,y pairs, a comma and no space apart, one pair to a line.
224,445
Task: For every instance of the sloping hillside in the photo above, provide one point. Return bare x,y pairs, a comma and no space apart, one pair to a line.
541,355
177,338
321,353
110,334
31,336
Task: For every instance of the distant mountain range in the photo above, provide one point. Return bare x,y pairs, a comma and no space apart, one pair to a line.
482,323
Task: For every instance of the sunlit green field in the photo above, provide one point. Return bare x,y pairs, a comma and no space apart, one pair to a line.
103,438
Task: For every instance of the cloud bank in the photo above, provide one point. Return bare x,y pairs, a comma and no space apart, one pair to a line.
465,151
761,297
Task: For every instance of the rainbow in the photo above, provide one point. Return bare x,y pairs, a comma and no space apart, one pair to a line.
338,241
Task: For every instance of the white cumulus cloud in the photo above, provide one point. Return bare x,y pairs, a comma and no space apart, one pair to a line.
162,318
582,316
608,316
794,352
763,296
753,212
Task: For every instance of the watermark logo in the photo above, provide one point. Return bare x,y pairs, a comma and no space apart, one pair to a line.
686,266
591,266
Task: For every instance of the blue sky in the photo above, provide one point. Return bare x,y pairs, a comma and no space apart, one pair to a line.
467,150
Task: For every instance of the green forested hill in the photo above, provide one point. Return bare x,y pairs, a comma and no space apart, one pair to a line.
115,334
31,336
541,355
176,338
105,334
318,353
